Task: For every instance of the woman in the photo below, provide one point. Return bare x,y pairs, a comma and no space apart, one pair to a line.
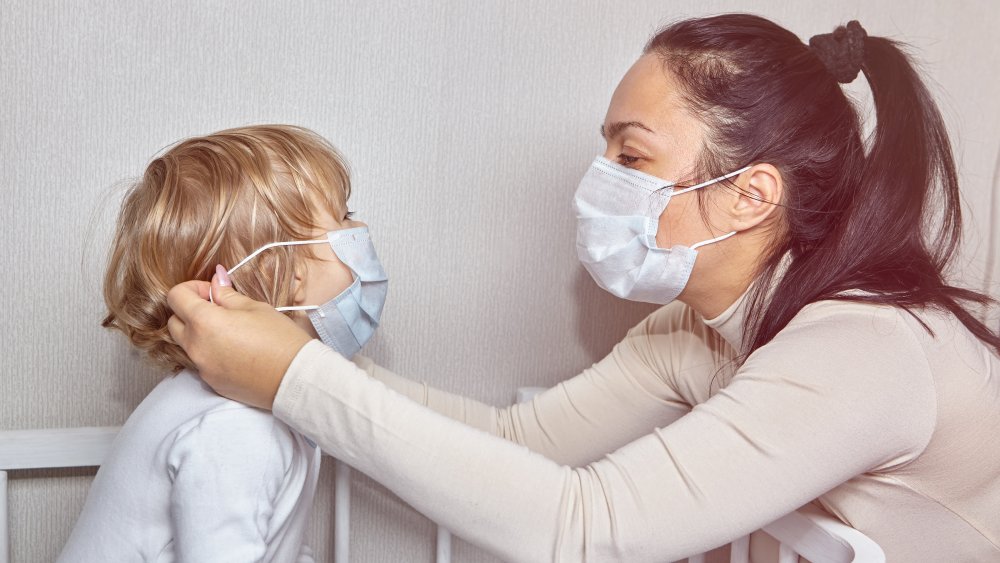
814,349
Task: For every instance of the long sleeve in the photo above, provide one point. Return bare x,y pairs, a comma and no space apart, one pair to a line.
821,403
620,398
228,470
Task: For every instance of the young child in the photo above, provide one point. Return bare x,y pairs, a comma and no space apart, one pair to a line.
193,476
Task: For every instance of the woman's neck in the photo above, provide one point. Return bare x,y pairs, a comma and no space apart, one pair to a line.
712,303
719,280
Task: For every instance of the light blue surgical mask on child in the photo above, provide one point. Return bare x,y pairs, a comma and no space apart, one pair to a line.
618,212
346,322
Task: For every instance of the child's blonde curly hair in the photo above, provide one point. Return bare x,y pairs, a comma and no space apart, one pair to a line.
213,200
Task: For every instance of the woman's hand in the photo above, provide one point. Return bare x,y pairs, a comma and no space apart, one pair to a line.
241,347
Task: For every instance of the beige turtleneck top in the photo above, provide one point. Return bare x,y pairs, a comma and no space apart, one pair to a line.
662,449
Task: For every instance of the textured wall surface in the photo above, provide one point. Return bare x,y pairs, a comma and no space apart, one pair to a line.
468,125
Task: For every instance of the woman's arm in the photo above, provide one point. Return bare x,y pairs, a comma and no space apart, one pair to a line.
840,391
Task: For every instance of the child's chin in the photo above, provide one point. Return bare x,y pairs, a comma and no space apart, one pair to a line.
304,323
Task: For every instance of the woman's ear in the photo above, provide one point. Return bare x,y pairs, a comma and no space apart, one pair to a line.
758,194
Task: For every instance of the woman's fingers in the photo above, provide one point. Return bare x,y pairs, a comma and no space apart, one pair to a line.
175,326
185,298
202,287
228,298
241,347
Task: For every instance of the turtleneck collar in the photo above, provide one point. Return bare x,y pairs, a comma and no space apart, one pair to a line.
729,323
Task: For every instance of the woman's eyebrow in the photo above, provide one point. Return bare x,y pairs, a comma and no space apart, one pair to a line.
617,127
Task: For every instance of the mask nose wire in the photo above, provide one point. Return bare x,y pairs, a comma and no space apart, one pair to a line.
267,247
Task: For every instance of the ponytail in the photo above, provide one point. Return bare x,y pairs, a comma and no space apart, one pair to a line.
911,164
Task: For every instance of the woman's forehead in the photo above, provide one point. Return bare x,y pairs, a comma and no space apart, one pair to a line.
642,91
647,98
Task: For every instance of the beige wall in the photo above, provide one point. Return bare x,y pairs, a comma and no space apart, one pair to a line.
468,125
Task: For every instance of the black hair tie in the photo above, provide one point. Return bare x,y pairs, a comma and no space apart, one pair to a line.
842,51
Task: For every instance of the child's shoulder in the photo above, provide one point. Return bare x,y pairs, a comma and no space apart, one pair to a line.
225,419
183,399
195,421
237,436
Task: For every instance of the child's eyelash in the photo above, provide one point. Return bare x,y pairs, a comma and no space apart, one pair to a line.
349,215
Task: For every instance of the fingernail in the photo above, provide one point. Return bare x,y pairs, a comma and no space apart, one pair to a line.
223,276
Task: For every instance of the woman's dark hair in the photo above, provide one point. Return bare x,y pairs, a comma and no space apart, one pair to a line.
880,215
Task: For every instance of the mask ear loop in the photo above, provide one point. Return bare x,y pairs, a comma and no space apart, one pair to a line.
702,185
711,240
267,247
712,181
302,308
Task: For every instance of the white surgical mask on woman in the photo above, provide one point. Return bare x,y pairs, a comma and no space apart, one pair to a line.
617,212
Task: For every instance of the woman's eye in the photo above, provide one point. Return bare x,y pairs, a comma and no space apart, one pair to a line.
626,160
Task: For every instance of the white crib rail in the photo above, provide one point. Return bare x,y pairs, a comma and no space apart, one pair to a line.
821,538
55,447
341,512
47,449
342,520
811,533
4,534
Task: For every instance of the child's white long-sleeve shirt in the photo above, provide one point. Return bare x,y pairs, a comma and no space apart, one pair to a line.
195,477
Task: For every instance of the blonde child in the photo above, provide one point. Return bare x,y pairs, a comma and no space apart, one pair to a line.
193,476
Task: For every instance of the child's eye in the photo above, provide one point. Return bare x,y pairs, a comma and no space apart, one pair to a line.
348,216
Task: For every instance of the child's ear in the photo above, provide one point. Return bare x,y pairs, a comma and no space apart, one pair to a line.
299,283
